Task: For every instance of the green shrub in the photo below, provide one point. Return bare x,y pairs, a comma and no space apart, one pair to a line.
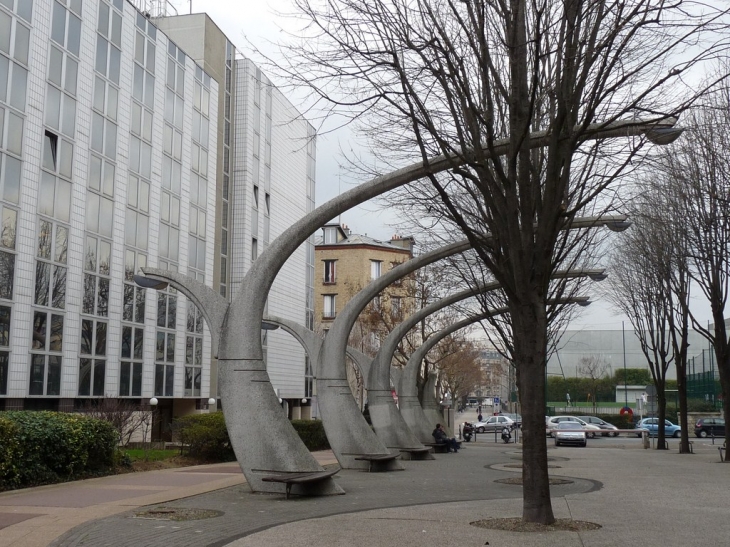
10,455
312,434
50,447
205,437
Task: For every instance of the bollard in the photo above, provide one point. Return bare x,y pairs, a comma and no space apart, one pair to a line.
645,439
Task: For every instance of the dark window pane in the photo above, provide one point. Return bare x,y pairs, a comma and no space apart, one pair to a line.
87,334
170,348
138,343
89,293
140,307
124,379
42,282
53,384
44,239
197,376
99,373
7,275
85,377
39,330
159,379
137,380
171,312
189,342
4,326
169,380
128,306
100,338
126,342
37,373
4,366
160,349
199,351
56,339
59,287
188,382
161,310
191,317
102,304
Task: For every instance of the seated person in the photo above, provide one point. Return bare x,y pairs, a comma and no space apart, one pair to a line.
439,435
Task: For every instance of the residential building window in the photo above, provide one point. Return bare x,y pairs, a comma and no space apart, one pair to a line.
4,348
130,375
50,281
193,352
330,235
92,372
47,345
165,343
96,287
133,307
7,246
254,249
375,269
329,306
330,271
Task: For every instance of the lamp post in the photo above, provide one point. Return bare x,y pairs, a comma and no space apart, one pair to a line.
148,422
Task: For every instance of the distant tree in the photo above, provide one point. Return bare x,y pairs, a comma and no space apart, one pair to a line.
632,376
594,368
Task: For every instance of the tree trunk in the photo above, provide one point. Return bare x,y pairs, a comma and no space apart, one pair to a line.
530,337
661,416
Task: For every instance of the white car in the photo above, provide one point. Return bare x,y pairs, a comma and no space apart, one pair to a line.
552,423
569,437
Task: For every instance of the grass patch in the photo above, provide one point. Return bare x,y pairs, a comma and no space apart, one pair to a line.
139,454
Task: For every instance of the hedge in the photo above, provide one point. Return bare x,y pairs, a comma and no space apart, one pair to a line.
205,437
48,447
312,434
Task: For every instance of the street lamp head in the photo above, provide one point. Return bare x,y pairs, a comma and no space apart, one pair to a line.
304,401
663,135
582,301
153,401
618,225
211,401
265,325
598,276
148,283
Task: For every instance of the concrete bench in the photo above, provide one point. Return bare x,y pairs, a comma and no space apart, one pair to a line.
419,453
290,479
721,450
438,448
377,461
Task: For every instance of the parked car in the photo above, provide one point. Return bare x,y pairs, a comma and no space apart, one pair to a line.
706,427
608,429
552,422
569,437
652,424
516,418
493,423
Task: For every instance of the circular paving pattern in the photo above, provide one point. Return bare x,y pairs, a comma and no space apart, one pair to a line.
516,525
178,513
518,481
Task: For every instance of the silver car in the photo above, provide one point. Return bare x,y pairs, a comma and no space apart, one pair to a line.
575,436
493,423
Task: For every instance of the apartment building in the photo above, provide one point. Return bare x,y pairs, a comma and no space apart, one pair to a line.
120,149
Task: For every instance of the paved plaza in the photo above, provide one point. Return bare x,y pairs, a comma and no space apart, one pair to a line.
639,497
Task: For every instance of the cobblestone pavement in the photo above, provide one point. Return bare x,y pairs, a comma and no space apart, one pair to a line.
466,476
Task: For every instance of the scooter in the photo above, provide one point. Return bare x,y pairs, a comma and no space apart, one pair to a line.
506,435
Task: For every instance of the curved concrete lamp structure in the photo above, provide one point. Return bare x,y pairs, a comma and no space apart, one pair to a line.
423,422
347,431
387,420
250,405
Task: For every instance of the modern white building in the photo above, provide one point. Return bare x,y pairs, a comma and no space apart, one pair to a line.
119,149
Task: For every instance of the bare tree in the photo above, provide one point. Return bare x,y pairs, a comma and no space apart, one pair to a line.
460,369
475,82
126,416
594,368
643,283
699,170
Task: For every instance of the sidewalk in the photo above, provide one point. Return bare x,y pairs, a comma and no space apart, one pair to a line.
34,517
643,497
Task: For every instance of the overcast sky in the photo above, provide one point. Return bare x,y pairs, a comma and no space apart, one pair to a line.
258,22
